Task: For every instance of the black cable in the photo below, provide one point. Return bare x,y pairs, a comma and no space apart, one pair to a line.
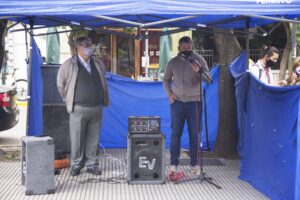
112,180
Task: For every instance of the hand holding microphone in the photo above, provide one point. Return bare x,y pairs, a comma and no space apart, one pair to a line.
196,68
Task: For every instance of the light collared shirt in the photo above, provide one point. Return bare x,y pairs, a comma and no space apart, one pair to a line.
87,64
261,72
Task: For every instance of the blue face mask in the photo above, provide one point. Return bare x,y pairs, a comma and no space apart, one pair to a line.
297,70
87,51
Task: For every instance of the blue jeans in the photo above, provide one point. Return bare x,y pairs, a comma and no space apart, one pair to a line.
181,112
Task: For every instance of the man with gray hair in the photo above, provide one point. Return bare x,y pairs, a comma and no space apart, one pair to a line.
82,85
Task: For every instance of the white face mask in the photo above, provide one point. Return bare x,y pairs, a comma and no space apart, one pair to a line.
87,51
297,70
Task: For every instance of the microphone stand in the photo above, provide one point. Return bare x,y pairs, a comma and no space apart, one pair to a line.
202,176
205,120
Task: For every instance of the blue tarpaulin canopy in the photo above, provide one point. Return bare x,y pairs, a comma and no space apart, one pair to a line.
146,13
144,7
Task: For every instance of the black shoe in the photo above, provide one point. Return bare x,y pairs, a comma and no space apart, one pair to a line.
75,171
94,170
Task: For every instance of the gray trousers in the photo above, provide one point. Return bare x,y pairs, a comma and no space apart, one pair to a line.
85,123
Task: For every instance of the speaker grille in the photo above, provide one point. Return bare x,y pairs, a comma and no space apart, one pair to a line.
145,157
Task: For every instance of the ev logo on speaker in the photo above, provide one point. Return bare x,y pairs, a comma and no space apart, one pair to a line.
144,163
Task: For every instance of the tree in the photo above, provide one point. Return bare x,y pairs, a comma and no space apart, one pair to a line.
298,39
286,53
228,49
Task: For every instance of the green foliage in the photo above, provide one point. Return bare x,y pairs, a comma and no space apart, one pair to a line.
298,34
298,39
79,32
129,30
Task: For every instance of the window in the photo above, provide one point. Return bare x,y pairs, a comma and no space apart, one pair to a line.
125,56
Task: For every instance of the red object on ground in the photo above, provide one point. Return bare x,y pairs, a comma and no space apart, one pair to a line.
175,176
62,163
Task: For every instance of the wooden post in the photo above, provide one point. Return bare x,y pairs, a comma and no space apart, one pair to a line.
137,58
114,54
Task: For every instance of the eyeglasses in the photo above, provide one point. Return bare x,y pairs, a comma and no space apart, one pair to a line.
85,44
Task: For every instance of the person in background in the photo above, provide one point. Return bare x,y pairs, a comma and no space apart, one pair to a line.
262,68
294,76
81,83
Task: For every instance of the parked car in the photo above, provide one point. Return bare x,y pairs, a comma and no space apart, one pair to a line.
9,110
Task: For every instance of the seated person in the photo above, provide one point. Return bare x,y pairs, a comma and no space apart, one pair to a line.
262,68
294,76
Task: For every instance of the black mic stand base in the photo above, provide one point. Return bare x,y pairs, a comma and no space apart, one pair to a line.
202,177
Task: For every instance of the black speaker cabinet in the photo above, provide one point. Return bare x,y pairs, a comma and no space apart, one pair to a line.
146,158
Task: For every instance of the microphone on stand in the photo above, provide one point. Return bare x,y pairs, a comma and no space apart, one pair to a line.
205,74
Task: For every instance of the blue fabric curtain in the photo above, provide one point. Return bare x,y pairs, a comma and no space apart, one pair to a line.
132,98
268,130
36,93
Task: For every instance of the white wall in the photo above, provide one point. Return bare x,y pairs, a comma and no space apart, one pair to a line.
276,75
15,44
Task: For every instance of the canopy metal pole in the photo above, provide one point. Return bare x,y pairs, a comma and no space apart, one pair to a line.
247,42
58,32
41,27
87,27
294,41
141,24
167,21
26,45
29,63
13,25
118,20
169,32
139,30
7,17
274,18
146,53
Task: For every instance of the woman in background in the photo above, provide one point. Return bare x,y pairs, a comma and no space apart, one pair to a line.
294,76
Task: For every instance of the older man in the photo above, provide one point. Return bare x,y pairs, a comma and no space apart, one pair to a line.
82,84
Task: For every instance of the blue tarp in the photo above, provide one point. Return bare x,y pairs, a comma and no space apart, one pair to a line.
133,98
129,98
268,119
36,94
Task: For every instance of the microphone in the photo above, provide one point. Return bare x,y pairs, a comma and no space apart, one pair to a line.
196,62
